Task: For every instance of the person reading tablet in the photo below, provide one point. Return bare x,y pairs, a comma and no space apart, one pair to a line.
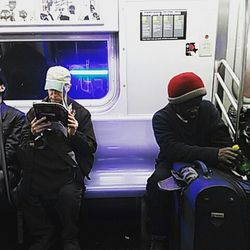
54,112
56,155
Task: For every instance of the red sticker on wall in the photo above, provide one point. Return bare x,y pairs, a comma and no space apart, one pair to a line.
190,49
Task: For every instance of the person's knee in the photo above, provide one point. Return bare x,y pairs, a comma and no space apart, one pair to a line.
159,174
70,193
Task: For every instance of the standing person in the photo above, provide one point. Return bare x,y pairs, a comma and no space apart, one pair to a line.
186,129
54,166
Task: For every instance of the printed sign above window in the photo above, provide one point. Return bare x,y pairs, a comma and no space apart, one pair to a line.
32,12
163,25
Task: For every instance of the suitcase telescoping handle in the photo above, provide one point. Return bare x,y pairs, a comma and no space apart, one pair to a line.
203,167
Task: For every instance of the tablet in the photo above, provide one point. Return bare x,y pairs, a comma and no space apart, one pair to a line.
54,112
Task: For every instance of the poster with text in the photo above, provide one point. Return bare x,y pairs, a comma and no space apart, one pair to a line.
157,25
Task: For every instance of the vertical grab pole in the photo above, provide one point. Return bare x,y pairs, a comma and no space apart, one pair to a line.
245,42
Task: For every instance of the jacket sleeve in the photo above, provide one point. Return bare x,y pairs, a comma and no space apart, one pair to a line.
26,135
175,150
84,139
12,140
83,143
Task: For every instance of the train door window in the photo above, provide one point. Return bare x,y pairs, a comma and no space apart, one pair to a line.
91,59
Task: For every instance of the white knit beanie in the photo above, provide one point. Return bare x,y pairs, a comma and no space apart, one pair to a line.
57,77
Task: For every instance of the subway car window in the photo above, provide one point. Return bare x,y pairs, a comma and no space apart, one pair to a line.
25,64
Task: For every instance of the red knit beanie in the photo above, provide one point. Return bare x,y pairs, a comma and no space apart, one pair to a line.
184,87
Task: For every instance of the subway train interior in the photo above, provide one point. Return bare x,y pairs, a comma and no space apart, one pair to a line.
121,54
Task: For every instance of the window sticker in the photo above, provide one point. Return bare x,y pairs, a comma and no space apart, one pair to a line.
191,49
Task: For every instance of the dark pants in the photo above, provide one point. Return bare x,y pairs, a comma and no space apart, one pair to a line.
44,214
160,203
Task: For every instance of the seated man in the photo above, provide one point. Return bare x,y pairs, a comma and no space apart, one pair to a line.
12,122
186,129
55,162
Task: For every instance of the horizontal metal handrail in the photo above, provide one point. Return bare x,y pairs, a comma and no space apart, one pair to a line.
223,110
234,102
225,88
229,69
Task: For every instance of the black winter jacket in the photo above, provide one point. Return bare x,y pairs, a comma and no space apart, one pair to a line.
45,170
196,140
13,120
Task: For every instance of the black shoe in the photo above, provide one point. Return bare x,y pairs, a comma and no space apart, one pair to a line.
158,243
71,245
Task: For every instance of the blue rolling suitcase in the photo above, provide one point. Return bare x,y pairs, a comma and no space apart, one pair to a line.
213,212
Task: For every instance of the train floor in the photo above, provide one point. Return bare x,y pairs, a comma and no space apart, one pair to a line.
105,224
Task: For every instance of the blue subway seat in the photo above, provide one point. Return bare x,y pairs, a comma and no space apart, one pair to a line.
124,159
118,177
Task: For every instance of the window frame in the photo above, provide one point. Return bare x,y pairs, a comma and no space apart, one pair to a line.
94,105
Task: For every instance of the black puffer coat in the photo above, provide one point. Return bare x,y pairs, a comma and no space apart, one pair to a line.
45,170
